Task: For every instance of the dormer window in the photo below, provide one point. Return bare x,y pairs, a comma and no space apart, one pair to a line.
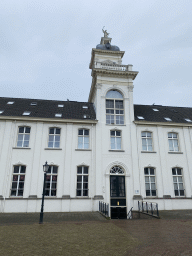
10,102
60,105
33,104
114,108
26,113
58,115
1,111
140,117
85,107
167,119
155,109
188,120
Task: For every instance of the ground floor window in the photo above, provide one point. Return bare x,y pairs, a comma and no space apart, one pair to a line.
18,180
51,181
178,181
82,181
150,185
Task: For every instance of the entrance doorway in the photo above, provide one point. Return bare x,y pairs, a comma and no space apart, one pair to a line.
118,197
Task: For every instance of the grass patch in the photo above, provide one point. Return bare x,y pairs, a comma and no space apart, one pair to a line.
91,238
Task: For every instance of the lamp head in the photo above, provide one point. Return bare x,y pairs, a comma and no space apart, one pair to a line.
45,167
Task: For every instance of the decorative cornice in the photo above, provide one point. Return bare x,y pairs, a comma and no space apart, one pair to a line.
48,120
161,123
115,73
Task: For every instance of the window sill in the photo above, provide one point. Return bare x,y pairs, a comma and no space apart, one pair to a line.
21,148
148,151
116,150
81,197
151,197
53,148
82,149
116,124
175,152
16,197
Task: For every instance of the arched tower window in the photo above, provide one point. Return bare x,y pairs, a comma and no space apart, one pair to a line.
114,108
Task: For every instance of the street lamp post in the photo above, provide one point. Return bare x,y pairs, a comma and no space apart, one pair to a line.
45,169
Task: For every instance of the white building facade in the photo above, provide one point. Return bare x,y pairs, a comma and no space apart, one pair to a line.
106,149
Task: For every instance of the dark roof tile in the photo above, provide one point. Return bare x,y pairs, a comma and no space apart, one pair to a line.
176,114
47,108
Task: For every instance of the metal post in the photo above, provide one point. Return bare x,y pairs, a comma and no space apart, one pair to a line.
146,207
157,210
151,208
42,203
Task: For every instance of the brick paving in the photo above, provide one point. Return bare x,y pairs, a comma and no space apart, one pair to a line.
52,217
170,235
159,237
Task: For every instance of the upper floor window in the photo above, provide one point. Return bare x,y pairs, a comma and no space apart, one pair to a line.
51,181
23,137
178,181
82,181
146,141
173,141
54,138
114,108
18,180
150,186
115,139
83,139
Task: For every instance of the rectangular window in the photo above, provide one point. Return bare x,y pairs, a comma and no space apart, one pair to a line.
150,185
146,141
83,139
173,141
51,181
18,180
178,182
54,138
115,139
82,181
114,112
23,137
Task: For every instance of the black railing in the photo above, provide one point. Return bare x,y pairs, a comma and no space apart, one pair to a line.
129,215
104,208
149,208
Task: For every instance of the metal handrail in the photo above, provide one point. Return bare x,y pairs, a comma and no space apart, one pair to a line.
104,208
129,215
149,208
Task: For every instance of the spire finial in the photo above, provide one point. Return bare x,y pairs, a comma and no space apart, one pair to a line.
105,32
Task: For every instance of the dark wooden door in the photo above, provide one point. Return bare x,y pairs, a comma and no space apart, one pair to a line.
118,197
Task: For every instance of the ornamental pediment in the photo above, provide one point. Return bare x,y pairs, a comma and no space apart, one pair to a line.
108,62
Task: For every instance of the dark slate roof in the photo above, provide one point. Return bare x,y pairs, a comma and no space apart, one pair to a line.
107,47
47,108
176,114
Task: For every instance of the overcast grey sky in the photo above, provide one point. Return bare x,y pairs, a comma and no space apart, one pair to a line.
45,47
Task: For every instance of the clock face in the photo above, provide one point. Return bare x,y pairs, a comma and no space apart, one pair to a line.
108,45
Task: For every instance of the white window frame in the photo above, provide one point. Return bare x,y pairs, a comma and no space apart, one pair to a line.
23,137
82,189
117,136
178,182
172,140
52,178
112,114
18,181
83,137
150,180
55,137
147,139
